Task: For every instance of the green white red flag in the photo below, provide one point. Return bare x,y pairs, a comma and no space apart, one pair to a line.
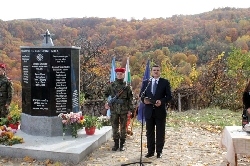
127,77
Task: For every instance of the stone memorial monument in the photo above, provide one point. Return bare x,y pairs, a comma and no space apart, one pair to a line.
50,86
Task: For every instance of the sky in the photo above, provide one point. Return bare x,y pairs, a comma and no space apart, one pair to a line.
121,9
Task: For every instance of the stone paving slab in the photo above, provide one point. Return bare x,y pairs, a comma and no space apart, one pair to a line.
55,148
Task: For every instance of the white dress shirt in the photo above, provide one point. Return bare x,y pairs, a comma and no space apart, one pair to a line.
153,82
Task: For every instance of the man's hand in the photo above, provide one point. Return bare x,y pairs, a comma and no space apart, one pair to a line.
147,101
248,110
107,106
158,103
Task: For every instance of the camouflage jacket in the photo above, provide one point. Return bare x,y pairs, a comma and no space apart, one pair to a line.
125,99
6,90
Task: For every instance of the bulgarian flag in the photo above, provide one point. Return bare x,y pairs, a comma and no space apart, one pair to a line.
127,77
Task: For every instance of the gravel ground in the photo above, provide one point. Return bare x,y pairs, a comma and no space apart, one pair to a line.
187,146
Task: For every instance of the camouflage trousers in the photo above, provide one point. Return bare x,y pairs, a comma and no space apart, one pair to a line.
118,122
3,111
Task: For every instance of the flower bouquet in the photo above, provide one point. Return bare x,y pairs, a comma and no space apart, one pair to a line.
7,136
14,117
11,121
92,121
105,120
73,121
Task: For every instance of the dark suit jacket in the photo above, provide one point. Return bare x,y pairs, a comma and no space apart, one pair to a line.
246,100
163,93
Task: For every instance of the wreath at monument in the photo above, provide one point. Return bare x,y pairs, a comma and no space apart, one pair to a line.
9,126
7,136
13,119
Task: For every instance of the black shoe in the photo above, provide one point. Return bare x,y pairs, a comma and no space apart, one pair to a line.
159,155
149,155
122,141
115,148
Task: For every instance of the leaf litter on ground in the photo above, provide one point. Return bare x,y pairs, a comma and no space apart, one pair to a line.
192,138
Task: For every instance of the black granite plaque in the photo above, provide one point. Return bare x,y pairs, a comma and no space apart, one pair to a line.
26,86
40,81
60,80
50,80
75,80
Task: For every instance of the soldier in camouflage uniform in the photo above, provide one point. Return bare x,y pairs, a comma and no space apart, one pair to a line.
120,109
6,90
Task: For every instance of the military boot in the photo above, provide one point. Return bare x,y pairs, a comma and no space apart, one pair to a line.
116,146
122,141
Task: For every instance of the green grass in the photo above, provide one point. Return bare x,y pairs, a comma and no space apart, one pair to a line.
211,119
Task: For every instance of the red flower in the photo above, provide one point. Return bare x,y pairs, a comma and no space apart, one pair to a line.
81,117
9,118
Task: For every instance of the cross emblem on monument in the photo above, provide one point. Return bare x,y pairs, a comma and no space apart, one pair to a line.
47,41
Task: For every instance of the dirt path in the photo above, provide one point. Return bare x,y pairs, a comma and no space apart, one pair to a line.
187,146
184,147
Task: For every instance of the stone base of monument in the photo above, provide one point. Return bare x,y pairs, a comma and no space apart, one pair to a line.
49,126
56,148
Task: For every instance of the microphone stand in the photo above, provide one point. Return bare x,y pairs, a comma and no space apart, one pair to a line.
142,96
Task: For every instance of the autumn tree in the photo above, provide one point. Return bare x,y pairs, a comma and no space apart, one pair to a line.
239,68
185,68
192,59
243,43
178,57
169,72
94,70
217,87
166,51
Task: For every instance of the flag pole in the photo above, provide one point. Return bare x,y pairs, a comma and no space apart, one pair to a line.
112,79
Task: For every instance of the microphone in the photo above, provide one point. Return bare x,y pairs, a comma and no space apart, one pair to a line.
143,93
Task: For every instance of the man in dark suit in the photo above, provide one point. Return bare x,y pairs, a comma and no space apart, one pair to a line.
155,94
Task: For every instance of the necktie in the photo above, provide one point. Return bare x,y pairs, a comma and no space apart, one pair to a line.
154,87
